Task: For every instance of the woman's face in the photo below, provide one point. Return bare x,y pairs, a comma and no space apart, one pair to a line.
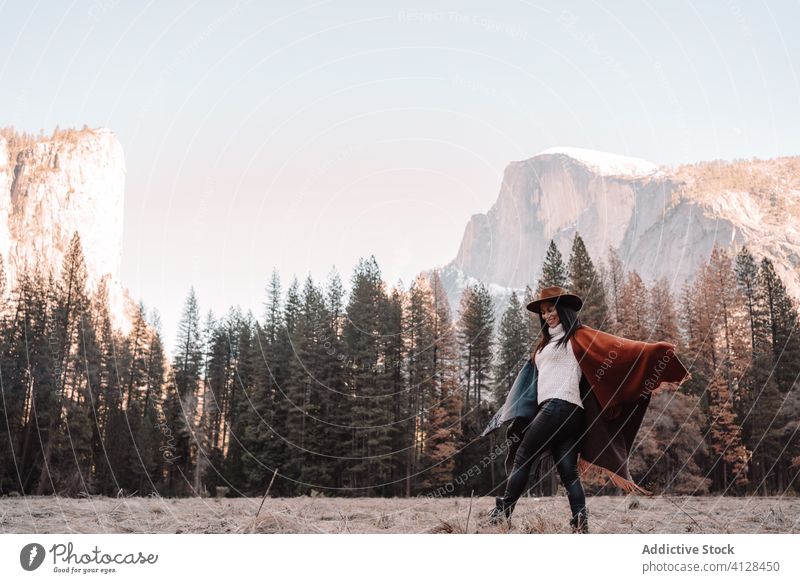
549,313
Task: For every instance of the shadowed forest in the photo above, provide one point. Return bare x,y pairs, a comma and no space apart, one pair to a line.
378,391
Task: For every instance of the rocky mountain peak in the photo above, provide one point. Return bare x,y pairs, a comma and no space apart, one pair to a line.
50,187
662,221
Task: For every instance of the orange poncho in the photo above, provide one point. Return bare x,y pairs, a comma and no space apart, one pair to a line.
617,377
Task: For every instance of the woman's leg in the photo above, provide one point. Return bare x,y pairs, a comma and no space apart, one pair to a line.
537,438
514,435
565,455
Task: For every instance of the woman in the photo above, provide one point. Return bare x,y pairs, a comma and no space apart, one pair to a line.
583,392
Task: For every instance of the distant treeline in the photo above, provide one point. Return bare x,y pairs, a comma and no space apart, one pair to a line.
377,391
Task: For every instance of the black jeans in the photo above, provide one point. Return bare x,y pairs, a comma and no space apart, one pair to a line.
558,426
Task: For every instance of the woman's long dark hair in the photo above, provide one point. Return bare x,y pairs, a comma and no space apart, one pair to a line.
568,318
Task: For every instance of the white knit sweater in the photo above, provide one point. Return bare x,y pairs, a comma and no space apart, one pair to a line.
559,372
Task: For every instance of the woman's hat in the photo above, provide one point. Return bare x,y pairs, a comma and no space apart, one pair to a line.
553,294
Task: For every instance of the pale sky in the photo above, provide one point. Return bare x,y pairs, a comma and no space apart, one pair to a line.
304,135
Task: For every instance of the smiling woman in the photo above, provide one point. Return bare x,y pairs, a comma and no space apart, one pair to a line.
559,372
579,401
558,423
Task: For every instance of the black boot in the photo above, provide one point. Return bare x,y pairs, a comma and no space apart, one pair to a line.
501,512
580,522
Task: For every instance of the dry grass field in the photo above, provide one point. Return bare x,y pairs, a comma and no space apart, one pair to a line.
608,514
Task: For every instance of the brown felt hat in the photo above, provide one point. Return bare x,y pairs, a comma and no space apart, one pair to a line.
555,294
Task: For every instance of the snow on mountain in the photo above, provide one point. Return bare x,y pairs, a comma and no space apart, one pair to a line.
605,163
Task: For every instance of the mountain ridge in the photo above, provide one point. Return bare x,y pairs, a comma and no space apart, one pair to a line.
663,221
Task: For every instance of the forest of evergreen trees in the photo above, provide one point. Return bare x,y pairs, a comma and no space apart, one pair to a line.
377,391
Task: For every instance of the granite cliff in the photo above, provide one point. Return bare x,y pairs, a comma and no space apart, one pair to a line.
51,187
661,220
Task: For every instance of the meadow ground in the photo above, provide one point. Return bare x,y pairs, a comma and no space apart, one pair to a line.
607,514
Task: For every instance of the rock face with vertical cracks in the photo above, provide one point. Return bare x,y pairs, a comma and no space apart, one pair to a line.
52,187
662,221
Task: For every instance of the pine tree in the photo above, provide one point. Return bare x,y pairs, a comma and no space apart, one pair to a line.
734,347
230,384
32,377
136,346
443,428
402,438
296,390
367,379
73,388
209,409
258,451
585,282
746,271
476,337
70,305
151,438
335,409
663,318
292,307
615,283
273,377
532,320
334,302
274,316
513,347
758,382
312,333
182,398
268,452
218,338
721,346
772,376
761,418
553,271
420,348
103,354
732,457
635,309
475,332
692,339
293,390
782,318
14,393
